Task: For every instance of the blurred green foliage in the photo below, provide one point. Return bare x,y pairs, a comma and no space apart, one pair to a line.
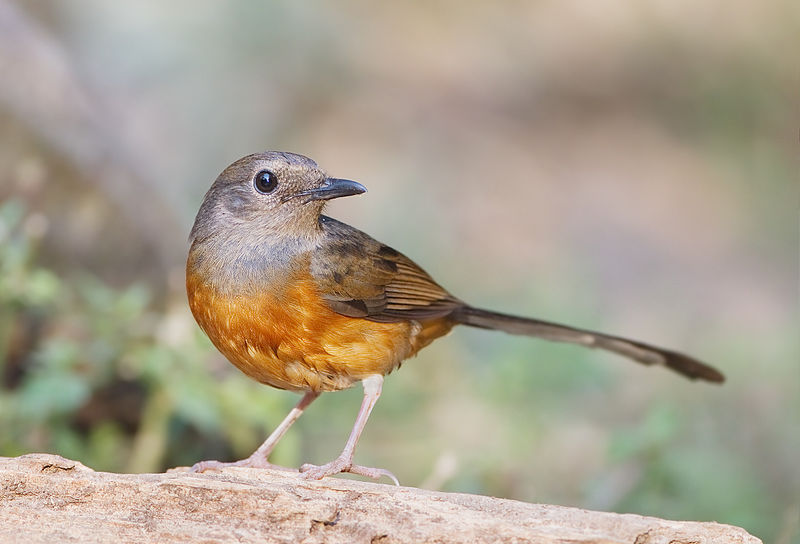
93,373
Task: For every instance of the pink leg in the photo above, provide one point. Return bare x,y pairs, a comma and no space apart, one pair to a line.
259,457
344,463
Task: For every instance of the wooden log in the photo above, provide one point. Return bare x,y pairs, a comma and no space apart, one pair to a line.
48,499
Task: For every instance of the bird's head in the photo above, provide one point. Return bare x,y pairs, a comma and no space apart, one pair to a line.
270,194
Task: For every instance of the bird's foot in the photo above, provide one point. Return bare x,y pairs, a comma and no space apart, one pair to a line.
342,464
250,462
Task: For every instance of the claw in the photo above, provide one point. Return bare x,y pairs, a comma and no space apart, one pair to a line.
339,465
250,462
202,466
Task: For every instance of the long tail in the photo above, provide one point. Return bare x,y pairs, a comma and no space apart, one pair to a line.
638,351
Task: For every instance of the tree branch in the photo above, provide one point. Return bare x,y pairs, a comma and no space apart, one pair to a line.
46,498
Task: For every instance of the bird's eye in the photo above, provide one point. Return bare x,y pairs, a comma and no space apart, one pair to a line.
265,181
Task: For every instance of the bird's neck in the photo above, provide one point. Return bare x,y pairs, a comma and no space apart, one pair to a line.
237,261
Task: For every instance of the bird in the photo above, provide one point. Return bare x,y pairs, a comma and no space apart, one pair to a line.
302,302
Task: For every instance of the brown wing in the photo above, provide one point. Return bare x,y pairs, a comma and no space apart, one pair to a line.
361,277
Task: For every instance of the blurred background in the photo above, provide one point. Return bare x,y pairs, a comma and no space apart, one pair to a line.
624,166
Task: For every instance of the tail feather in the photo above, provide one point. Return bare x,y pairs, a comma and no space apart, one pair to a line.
638,351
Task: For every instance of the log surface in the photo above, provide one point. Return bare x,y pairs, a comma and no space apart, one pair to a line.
47,499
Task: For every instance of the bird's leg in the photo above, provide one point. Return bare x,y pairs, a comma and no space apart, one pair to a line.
259,457
344,463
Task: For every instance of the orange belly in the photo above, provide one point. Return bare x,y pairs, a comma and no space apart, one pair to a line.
292,340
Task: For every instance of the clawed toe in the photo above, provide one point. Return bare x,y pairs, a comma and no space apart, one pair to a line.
337,466
202,466
374,473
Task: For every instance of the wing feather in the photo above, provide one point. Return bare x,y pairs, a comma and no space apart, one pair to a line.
361,277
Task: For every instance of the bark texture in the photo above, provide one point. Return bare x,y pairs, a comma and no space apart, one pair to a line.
46,499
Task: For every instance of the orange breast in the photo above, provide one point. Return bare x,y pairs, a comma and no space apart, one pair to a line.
288,338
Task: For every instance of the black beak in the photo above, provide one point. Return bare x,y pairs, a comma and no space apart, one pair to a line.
334,188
